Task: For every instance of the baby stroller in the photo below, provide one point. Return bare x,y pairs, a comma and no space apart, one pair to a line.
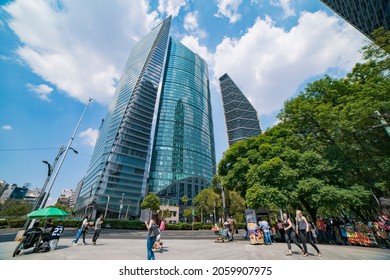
32,238
224,234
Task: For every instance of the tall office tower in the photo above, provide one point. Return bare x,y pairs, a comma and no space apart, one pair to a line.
241,118
364,15
183,152
160,93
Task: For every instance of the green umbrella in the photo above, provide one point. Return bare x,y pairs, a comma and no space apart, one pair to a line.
47,212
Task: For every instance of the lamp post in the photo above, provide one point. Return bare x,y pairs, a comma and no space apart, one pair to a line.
120,207
49,173
222,195
108,201
65,153
127,211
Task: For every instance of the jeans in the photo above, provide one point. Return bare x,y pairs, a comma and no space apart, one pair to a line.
78,235
267,237
149,247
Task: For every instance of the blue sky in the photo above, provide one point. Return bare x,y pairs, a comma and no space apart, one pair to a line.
56,54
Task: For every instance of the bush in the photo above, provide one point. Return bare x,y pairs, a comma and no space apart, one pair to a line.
17,223
3,223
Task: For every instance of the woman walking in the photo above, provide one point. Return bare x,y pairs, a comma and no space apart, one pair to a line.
153,231
302,228
289,234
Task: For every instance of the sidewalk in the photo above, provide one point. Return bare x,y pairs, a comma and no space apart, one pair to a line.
178,249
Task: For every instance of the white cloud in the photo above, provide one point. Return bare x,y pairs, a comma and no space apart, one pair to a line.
191,24
229,9
171,7
286,5
193,44
81,46
42,90
7,127
89,136
191,21
269,63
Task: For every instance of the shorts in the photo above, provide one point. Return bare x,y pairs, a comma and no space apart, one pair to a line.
158,237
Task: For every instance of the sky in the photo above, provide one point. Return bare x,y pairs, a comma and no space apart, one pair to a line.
56,54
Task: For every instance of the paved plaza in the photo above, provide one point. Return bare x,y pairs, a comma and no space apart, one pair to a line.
190,249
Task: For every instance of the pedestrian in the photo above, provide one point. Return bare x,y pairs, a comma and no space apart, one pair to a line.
153,227
322,238
98,229
313,231
246,237
280,231
289,234
264,226
302,228
82,231
232,226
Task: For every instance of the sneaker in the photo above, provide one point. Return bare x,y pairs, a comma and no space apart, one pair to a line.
93,243
74,244
85,243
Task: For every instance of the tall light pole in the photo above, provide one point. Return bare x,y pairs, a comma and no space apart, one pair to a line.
49,172
120,207
65,153
108,201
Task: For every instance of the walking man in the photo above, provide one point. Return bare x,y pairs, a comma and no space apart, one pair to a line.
98,229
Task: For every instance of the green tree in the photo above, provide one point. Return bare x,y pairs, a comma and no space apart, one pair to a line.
324,152
207,201
165,214
151,201
15,208
184,199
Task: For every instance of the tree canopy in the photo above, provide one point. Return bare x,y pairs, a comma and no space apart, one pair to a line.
324,155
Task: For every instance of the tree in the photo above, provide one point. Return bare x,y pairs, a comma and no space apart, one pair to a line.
184,199
325,151
208,201
151,201
165,214
15,208
235,204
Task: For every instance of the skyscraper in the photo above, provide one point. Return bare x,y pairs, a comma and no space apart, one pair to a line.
241,118
364,15
156,95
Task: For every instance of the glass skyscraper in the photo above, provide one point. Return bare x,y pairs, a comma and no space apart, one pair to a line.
364,15
241,118
145,143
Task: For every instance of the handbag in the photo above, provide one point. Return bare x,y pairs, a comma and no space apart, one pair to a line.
154,232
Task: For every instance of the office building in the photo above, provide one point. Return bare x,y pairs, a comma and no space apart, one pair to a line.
241,118
364,15
158,132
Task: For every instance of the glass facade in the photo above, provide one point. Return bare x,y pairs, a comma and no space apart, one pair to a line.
183,151
118,176
364,15
240,116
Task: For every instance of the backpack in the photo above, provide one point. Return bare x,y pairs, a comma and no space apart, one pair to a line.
162,225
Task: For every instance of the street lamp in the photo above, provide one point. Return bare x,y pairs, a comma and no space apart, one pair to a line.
108,201
120,207
49,173
65,153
